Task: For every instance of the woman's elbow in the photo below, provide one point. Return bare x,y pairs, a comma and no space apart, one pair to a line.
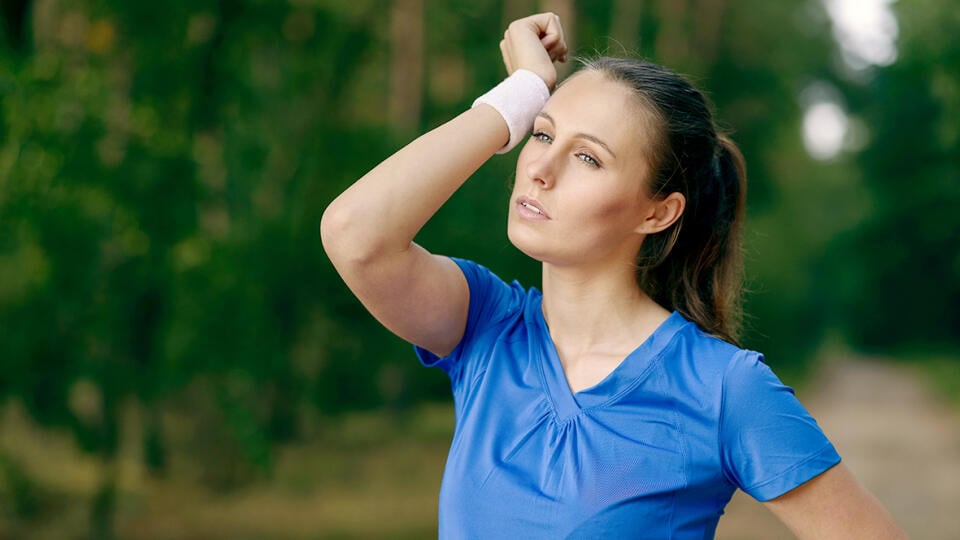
335,224
345,239
330,221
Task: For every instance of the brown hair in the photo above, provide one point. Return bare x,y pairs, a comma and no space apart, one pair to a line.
695,266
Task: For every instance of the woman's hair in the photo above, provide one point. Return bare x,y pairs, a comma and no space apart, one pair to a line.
695,266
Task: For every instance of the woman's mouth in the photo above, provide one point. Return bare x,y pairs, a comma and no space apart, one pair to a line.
531,209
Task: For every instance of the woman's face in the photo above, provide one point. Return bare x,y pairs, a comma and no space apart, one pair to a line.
580,195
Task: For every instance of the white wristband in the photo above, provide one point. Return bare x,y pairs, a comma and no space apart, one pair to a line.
518,99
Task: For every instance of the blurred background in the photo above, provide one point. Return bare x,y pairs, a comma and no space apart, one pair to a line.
178,358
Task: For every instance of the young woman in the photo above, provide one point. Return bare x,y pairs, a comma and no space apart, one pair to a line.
615,403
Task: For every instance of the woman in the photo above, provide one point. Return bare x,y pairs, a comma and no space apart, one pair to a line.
614,404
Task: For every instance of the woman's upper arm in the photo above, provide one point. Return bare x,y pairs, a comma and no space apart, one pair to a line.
420,297
834,505
368,230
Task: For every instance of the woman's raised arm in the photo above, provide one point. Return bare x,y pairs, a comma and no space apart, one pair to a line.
368,230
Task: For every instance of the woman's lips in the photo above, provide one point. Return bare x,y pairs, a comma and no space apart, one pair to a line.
531,209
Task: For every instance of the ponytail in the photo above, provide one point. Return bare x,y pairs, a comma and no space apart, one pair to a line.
695,266
727,274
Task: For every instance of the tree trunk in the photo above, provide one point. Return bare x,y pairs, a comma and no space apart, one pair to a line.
625,25
105,503
707,30
516,9
154,441
16,18
673,45
103,508
406,64
567,12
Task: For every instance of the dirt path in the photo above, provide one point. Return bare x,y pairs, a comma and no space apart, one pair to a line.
896,437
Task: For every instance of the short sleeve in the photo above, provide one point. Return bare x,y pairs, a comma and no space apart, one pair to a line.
491,301
769,442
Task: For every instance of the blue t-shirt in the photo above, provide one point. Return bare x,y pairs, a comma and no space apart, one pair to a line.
655,450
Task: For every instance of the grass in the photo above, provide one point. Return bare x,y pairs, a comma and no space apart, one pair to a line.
368,475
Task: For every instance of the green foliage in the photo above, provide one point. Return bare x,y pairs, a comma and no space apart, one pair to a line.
899,267
163,168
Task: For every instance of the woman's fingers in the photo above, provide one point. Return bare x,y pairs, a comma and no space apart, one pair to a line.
505,53
553,39
534,43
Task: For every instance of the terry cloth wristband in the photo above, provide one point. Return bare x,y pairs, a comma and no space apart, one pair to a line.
518,99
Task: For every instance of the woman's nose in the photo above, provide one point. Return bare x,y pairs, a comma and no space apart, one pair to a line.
542,169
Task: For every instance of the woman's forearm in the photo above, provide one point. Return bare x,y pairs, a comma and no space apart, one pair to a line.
380,214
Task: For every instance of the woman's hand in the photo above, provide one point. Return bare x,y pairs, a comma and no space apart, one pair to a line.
535,43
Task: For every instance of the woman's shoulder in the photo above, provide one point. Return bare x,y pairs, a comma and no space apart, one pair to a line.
719,371
708,358
493,299
707,345
481,277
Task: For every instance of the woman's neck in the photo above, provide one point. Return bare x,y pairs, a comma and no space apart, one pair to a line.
594,310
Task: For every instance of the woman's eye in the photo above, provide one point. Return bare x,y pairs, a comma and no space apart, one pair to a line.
588,159
542,137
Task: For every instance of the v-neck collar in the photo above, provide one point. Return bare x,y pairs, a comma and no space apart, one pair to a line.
634,367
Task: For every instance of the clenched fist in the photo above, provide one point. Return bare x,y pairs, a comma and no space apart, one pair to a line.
535,43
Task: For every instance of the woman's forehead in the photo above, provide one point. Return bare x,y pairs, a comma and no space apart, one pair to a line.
591,102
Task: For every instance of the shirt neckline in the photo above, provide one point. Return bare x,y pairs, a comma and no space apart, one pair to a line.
629,372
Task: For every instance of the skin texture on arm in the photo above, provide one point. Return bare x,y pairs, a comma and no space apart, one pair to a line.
368,230
834,505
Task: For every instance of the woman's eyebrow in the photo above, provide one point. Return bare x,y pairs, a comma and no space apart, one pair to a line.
546,116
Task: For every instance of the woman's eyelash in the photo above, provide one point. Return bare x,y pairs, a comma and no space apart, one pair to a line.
588,159
541,136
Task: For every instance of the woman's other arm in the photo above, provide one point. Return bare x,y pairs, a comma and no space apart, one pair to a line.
834,505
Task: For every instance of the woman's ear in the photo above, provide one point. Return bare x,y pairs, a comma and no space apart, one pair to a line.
663,213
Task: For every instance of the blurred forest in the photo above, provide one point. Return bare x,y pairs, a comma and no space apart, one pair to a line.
164,165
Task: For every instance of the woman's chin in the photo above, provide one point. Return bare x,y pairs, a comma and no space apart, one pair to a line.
522,241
